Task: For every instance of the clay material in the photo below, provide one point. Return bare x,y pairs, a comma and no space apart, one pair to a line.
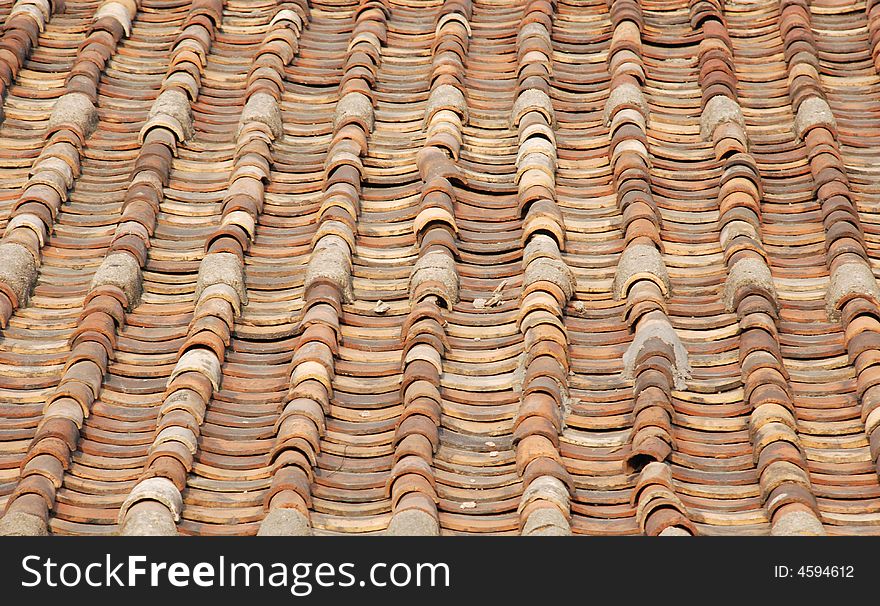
158,489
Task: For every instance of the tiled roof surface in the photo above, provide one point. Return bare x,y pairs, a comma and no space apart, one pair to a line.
421,266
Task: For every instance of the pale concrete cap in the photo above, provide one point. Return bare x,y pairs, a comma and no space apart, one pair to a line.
546,488
550,270
148,519
532,100
22,524
540,245
847,280
76,109
437,267
674,531
172,104
546,522
720,110
448,97
357,106
122,270
157,489
663,330
814,112
222,268
751,272
284,522
264,108
18,270
623,95
413,523
797,524
640,262
331,260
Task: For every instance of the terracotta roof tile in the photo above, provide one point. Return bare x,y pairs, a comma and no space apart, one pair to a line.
453,267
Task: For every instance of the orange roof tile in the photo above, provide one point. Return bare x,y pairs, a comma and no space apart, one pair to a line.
538,267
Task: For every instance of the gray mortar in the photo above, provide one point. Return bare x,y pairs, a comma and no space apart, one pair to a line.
18,270
814,112
262,107
554,271
546,522
624,94
797,524
532,99
22,524
222,268
413,523
720,110
122,270
356,105
448,97
76,109
640,259
174,104
153,522
681,368
540,245
331,261
440,267
285,523
751,272
848,279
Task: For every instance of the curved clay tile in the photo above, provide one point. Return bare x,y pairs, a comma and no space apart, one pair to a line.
549,267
